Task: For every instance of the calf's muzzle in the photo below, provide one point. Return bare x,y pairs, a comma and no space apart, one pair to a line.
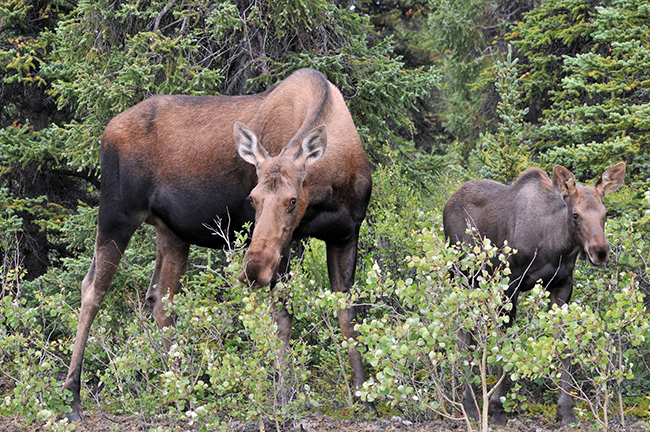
598,251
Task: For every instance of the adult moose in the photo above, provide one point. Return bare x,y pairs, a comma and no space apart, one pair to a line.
549,222
294,165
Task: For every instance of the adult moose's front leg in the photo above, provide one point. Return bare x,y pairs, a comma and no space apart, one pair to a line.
341,264
284,321
108,253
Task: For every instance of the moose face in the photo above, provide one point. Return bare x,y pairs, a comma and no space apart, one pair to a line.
586,212
278,199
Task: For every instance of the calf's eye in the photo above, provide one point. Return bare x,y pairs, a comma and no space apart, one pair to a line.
293,202
575,215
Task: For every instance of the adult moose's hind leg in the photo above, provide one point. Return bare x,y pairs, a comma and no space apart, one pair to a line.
341,264
108,253
171,263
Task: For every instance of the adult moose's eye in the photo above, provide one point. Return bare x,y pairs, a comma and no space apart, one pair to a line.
250,200
575,215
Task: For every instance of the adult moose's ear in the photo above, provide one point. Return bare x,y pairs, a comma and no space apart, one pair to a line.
312,147
611,179
247,145
564,180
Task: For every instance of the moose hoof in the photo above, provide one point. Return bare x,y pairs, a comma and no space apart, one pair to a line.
497,414
565,417
75,417
564,412
368,408
498,418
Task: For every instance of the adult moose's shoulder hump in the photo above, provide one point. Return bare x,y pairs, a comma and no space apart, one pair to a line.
289,159
549,221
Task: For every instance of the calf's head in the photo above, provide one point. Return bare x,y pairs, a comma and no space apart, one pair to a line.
585,210
279,199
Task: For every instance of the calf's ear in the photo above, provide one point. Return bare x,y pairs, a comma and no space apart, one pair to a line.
247,145
611,179
564,180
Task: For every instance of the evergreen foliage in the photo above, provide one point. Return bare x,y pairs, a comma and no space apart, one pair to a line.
468,36
586,79
505,154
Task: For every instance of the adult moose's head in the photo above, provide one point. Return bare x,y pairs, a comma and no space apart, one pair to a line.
175,163
549,222
279,199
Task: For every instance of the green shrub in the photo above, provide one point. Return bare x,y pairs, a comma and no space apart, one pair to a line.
420,365
31,358
419,361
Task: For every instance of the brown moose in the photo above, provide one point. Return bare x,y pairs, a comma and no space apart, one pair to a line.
549,222
294,165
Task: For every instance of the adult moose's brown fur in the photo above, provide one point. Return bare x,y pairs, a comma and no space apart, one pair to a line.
549,222
290,159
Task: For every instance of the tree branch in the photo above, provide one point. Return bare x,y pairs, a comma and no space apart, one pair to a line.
161,14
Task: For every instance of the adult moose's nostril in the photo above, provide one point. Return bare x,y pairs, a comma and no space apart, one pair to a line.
599,255
260,267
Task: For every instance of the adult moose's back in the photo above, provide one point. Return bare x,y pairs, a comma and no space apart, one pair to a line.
550,222
289,159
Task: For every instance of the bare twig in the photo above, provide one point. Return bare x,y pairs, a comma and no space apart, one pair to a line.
161,14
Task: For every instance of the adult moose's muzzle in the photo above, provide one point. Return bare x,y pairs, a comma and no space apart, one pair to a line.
260,265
